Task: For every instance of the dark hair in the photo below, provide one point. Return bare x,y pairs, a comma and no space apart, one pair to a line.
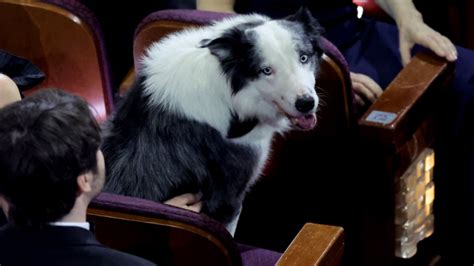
46,141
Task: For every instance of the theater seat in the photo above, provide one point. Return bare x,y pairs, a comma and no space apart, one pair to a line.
168,235
64,40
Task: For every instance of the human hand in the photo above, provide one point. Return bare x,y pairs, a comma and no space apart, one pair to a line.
365,88
187,201
412,30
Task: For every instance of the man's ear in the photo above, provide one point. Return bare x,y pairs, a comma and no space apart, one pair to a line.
84,182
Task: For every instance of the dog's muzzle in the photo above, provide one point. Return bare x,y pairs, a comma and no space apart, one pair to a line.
305,105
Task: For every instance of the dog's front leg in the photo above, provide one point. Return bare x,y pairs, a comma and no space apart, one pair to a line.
224,209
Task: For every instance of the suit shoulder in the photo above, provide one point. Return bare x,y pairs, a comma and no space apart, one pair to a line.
121,258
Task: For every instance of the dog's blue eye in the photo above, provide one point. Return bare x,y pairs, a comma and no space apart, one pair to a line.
267,71
304,58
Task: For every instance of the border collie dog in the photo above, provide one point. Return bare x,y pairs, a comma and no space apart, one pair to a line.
206,104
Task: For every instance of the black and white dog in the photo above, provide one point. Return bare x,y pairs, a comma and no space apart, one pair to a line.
205,108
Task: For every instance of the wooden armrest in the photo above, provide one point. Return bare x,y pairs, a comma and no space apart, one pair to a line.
408,99
315,244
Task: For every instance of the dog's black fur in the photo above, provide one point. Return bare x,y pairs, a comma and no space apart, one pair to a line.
172,155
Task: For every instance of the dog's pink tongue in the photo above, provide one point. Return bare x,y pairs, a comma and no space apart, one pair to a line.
306,122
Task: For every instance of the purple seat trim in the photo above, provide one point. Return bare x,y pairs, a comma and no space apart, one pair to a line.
159,210
183,15
78,9
331,50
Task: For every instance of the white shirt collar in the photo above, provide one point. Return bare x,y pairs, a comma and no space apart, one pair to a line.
84,225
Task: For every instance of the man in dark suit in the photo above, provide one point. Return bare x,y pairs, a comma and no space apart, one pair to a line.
50,169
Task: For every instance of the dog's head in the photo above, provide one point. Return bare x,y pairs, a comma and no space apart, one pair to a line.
271,66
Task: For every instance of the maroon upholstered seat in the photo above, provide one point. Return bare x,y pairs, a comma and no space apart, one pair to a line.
196,230
168,235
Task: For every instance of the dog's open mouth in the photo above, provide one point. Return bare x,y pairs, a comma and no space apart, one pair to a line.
305,122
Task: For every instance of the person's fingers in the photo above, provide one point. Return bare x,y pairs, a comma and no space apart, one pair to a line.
179,200
369,83
359,100
435,44
424,35
196,207
363,91
189,198
173,201
405,50
433,41
184,200
451,51
365,86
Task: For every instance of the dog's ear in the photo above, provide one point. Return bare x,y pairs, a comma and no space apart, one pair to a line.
303,15
311,26
220,47
234,43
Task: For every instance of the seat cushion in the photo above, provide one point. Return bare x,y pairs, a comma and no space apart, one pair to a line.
257,256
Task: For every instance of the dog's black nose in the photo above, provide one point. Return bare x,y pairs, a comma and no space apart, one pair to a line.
304,103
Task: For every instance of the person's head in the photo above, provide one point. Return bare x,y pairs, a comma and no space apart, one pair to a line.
9,91
49,157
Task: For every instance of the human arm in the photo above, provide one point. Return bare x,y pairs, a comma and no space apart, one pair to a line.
187,201
412,30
